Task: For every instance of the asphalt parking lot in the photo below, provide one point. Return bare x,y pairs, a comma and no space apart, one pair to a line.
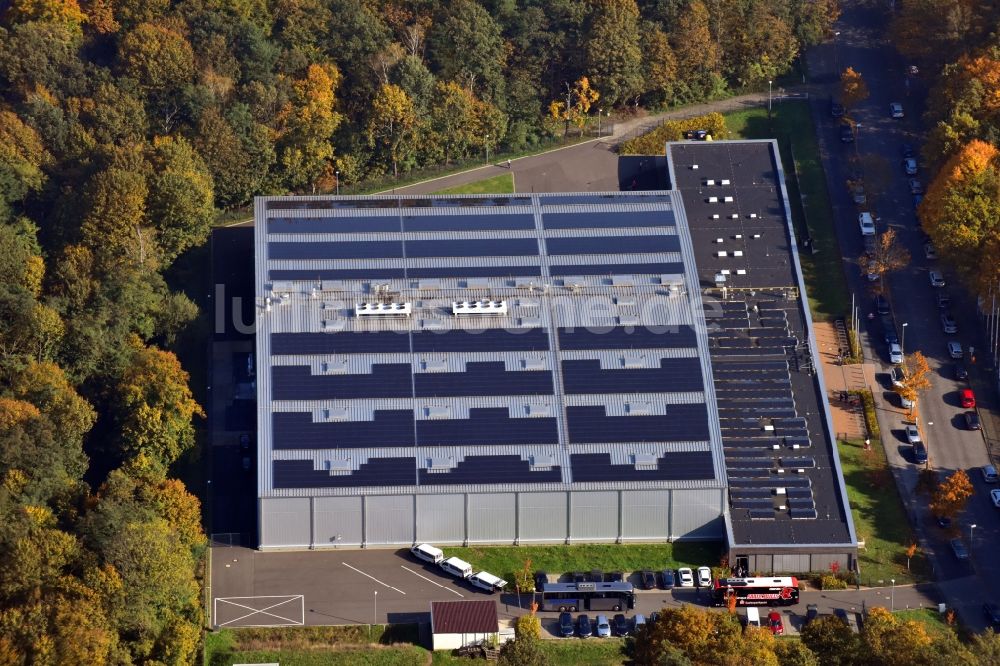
252,588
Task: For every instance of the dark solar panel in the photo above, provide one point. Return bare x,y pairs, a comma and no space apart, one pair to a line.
645,218
753,504
483,378
375,472
761,514
295,382
490,339
296,430
473,271
612,244
616,198
336,250
674,374
339,343
669,467
320,204
471,202
469,222
501,247
491,469
680,423
336,274
626,337
617,269
487,426
802,513
331,225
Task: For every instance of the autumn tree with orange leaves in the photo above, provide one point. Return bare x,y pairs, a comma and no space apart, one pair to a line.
961,213
853,89
950,497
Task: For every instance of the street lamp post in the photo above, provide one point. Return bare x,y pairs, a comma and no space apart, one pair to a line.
892,595
902,341
972,526
337,172
600,112
487,148
769,98
857,139
836,53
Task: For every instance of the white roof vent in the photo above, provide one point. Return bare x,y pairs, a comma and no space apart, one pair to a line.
484,307
365,309
644,461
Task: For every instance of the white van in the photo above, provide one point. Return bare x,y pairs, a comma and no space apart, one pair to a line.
456,567
488,582
427,553
753,616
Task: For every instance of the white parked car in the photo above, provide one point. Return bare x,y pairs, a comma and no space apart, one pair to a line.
704,577
955,349
895,353
867,224
686,577
989,473
995,496
484,580
937,280
896,110
912,434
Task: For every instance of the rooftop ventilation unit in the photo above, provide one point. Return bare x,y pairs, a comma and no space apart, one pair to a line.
484,307
365,309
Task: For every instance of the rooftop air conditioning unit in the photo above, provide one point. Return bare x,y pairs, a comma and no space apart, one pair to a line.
382,309
484,307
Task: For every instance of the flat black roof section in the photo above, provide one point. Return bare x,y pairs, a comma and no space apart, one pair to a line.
785,484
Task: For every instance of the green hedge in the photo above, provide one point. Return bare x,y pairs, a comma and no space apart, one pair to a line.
654,142
868,400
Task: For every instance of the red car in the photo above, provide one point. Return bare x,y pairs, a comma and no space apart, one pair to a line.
968,398
774,623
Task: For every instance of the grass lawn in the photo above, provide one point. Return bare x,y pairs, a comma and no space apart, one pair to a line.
570,652
503,561
502,184
933,621
879,518
305,646
791,124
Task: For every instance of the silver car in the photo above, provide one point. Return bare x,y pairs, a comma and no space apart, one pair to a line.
955,349
912,434
937,280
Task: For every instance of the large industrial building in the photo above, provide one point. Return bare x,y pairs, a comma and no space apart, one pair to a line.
546,368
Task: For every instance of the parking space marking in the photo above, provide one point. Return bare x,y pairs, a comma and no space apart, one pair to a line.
373,578
433,581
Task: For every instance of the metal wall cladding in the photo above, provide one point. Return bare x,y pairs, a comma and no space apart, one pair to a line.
337,522
790,563
824,562
389,520
697,514
646,514
492,518
542,517
761,563
594,516
440,518
284,522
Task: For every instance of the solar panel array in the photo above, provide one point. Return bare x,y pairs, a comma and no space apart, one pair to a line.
765,441
590,373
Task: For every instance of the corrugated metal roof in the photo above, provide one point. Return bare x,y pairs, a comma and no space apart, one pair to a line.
464,617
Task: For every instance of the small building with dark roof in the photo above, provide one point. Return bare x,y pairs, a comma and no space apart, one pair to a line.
455,624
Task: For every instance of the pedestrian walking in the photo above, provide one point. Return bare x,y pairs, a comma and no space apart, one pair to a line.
508,164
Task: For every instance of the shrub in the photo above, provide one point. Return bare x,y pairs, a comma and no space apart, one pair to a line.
654,142
868,402
528,626
829,582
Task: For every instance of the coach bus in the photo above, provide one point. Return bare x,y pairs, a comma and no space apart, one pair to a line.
757,591
587,596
